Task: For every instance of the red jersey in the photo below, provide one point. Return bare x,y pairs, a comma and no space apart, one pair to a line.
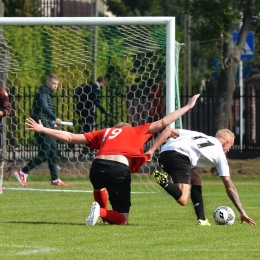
127,141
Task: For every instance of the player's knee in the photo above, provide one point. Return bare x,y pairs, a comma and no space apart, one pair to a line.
182,202
195,177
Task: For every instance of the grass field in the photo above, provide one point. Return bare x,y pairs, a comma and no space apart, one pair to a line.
50,225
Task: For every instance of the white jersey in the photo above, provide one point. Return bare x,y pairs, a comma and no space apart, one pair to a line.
203,150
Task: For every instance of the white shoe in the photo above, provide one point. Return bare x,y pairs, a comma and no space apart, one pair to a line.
93,215
21,177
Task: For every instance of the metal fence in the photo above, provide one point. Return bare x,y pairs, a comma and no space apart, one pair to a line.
200,118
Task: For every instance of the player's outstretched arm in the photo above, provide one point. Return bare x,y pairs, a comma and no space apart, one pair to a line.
60,135
233,195
173,116
165,134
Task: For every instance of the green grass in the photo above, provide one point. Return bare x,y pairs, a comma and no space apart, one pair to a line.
50,225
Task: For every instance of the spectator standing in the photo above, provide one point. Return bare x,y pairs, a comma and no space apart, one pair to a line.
88,98
5,110
43,109
158,110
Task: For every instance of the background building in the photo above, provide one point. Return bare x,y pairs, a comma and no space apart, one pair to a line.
73,8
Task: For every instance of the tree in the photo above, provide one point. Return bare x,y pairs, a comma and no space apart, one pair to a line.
134,7
165,8
218,22
213,24
21,8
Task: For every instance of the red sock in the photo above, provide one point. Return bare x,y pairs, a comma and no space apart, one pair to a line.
100,197
112,217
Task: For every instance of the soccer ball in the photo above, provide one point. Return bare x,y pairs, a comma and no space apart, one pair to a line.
224,215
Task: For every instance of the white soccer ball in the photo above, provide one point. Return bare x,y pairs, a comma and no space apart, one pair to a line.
224,215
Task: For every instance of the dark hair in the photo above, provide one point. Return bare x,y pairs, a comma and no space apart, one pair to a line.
101,79
158,79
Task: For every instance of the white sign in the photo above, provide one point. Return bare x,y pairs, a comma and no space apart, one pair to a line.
248,50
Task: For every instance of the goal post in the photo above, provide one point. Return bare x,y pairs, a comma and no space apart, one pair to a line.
134,53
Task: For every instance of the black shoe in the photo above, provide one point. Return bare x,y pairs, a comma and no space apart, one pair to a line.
160,178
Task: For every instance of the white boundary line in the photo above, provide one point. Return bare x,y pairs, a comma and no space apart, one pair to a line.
75,191
49,190
27,250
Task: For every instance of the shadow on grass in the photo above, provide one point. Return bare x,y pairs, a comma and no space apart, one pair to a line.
63,223
43,223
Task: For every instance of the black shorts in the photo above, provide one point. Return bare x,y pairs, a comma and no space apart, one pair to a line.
116,178
176,165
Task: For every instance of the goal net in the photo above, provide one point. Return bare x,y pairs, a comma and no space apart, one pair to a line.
137,56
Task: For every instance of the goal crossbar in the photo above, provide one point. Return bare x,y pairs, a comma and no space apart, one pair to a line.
86,20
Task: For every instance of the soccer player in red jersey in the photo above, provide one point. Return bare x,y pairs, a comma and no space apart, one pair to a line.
121,152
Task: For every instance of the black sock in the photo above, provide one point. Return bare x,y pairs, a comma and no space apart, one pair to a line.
173,190
197,200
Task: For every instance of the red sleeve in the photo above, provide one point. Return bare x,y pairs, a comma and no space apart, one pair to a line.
95,138
142,132
142,129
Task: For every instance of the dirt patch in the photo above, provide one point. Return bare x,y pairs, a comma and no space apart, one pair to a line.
238,168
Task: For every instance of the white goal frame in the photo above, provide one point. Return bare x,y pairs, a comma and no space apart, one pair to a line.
169,22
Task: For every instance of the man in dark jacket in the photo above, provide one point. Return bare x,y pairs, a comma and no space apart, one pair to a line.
5,110
43,109
89,98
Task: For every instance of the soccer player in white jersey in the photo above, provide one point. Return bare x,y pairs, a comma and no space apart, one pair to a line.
179,155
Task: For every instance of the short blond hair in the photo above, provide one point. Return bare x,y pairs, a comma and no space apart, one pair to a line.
225,134
52,76
122,124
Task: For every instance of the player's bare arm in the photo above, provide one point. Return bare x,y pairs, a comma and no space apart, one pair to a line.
173,116
162,138
60,135
234,197
232,193
174,133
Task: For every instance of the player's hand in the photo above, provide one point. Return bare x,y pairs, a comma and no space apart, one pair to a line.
33,126
192,101
58,121
244,217
149,154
